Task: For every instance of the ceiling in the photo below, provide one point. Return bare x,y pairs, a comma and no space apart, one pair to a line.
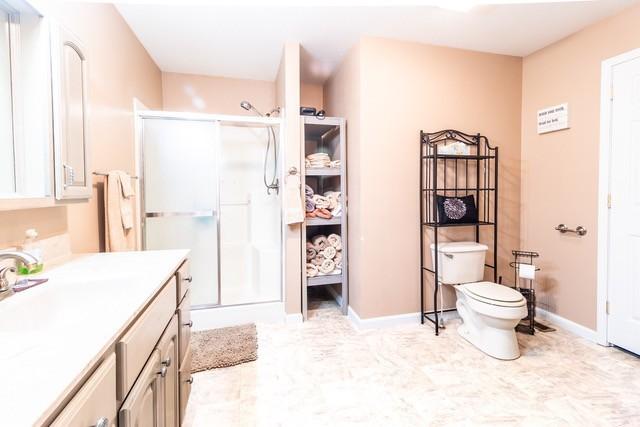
245,39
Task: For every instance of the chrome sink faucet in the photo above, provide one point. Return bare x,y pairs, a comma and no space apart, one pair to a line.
24,257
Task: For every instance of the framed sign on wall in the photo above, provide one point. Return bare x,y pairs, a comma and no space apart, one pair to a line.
554,118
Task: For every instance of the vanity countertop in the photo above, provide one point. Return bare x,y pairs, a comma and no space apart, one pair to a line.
53,334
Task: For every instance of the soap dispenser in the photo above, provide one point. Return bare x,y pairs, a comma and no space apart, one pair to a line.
32,247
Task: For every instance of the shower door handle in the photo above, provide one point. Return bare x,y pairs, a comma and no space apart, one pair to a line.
193,214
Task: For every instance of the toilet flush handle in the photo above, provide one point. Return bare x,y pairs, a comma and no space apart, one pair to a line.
450,256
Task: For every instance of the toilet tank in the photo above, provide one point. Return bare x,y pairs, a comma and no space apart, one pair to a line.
460,262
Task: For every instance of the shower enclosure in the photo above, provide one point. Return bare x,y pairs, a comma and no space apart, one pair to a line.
202,189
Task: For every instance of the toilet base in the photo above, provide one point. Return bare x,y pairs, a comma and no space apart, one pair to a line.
493,336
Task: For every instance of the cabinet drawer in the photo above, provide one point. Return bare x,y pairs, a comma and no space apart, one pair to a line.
134,348
184,279
184,317
95,403
185,383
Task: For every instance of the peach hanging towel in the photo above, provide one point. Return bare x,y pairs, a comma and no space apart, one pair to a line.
120,233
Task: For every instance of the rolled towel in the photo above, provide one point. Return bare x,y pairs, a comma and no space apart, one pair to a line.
318,260
309,206
337,212
327,266
312,270
311,214
321,202
329,252
338,259
308,191
323,213
335,240
320,242
311,253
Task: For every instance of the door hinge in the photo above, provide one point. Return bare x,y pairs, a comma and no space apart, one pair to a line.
607,307
609,200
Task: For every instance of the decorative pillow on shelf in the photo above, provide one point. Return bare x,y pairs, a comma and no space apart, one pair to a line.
457,210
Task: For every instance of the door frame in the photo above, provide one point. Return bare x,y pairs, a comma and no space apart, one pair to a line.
606,101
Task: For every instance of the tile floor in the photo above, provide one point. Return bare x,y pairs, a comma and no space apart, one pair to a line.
326,373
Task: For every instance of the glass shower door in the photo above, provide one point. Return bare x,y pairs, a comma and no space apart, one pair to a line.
180,203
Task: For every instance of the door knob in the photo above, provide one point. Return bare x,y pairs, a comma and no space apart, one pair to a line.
102,422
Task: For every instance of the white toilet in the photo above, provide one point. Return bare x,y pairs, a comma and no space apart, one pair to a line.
489,311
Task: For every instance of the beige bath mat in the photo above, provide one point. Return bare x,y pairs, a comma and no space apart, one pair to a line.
224,347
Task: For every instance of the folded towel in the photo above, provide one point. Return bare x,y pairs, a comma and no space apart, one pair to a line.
319,242
308,191
334,164
293,203
323,213
309,206
312,270
327,266
311,253
329,252
335,240
321,202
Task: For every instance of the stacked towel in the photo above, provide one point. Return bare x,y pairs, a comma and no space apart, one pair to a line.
320,160
324,255
325,206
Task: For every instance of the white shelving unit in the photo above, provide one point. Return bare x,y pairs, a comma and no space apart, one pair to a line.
326,135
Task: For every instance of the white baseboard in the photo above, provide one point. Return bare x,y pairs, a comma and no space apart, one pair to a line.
567,325
294,318
220,317
382,321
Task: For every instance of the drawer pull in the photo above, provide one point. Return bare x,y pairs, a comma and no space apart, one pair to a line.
189,324
190,380
188,279
102,422
166,362
163,372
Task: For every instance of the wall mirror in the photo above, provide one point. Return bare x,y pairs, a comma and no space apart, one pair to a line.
25,107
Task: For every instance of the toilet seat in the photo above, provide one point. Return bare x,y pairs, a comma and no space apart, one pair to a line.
493,293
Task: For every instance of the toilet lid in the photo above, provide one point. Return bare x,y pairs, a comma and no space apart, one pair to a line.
494,293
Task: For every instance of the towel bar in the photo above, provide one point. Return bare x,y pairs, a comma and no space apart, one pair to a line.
106,174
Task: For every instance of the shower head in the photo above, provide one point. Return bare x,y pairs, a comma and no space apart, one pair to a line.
247,106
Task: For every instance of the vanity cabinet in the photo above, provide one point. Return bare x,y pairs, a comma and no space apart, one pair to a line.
168,348
70,108
145,378
95,403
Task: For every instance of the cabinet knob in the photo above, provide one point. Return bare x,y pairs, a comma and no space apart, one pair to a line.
189,323
163,371
166,362
190,380
188,279
102,422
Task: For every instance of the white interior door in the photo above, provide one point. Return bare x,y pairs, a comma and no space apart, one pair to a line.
624,237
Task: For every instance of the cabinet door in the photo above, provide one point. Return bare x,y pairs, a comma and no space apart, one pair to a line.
143,406
184,317
185,383
168,348
69,79
95,403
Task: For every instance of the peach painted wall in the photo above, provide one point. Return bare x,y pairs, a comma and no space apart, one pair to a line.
311,95
560,169
215,95
342,99
405,87
119,70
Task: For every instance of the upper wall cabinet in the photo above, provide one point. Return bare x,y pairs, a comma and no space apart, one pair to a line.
25,107
70,136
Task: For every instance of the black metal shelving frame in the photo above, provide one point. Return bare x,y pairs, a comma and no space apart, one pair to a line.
474,174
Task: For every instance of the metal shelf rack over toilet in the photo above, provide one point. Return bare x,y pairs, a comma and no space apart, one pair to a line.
473,173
